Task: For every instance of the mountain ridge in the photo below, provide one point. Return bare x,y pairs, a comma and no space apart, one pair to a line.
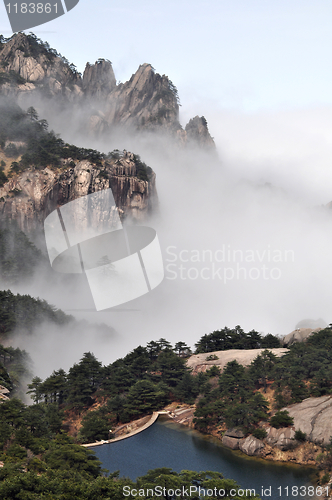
30,69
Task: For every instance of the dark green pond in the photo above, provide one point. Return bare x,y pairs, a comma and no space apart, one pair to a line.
166,444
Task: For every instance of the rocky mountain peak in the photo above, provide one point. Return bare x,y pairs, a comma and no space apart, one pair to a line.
18,42
198,133
35,74
147,101
27,64
99,79
143,76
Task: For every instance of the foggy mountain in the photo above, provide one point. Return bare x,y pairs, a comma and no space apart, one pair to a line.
239,247
38,76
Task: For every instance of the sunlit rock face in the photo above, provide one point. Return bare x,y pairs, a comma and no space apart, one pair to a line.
313,416
31,68
98,79
148,102
198,362
29,197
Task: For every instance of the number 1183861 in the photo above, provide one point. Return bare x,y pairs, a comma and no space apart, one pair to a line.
32,8
303,491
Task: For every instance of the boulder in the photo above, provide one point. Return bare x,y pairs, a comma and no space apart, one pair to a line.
251,445
230,442
299,335
283,438
235,433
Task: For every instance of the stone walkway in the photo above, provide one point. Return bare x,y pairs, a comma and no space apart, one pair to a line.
152,420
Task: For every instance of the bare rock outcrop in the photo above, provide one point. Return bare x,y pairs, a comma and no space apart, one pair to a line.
200,363
197,133
314,417
230,442
29,197
147,100
99,79
31,67
235,433
283,438
4,394
232,438
251,446
303,330
299,335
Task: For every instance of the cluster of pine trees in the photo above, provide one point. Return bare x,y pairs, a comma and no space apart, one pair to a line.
37,451
235,338
19,257
24,313
303,372
147,379
40,148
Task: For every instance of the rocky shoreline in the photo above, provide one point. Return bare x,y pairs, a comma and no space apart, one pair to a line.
279,445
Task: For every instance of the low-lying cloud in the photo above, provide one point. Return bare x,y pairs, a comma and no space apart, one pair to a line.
257,216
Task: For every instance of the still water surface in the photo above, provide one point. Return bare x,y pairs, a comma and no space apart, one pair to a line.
166,444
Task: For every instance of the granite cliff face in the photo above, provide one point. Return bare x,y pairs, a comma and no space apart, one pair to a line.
146,101
30,196
312,416
30,70
98,79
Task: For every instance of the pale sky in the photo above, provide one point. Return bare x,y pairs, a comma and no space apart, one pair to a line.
240,54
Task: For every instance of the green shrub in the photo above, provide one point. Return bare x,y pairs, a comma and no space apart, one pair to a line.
16,451
259,433
300,436
325,479
15,167
214,371
95,427
143,172
212,357
281,419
